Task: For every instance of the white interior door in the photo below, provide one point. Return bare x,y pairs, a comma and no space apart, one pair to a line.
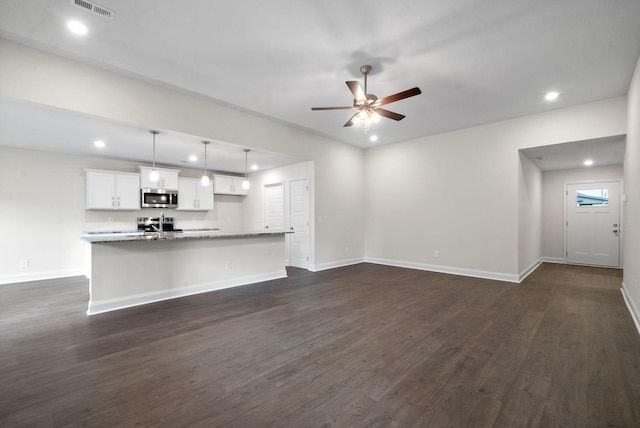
593,223
274,207
299,256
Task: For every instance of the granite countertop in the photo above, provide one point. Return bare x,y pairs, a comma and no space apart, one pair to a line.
107,237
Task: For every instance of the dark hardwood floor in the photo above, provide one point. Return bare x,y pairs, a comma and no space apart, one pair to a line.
360,346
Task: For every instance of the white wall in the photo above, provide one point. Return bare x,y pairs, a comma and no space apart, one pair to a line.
34,76
457,193
442,194
631,278
43,213
553,185
529,216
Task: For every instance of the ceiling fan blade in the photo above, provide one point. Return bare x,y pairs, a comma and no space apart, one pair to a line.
389,114
350,121
399,96
333,108
356,90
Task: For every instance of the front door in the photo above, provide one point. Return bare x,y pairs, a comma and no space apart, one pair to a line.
593,223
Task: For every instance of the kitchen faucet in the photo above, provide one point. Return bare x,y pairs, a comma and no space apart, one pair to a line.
161,221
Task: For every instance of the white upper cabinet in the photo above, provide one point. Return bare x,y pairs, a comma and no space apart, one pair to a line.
193,196
110,190
168,178
228,185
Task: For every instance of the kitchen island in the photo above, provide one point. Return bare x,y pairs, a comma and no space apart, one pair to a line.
130,269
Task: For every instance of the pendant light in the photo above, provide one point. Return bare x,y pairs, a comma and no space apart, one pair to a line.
153,175
245,182
205,178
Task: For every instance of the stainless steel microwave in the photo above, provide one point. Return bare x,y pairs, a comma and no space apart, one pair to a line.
158,198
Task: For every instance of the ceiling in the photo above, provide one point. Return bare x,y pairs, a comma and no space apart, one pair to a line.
474,63
602,151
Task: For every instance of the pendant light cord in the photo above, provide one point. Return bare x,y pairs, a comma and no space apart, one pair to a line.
205,156
154,132
246,169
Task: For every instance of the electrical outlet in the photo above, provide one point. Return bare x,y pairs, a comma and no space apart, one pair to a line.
436,254
24,263
229,265
110,219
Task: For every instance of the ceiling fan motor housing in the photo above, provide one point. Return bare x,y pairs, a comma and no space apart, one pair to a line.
365,69
370,100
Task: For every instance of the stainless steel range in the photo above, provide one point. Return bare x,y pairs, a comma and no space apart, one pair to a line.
156,224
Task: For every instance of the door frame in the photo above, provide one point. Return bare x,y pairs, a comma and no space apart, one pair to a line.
565,219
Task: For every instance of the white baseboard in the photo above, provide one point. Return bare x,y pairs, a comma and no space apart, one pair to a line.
143,299
525,273
633,309
336,264
446,269
553,260
39,276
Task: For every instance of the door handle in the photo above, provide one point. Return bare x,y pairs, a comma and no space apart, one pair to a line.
615,231
291,228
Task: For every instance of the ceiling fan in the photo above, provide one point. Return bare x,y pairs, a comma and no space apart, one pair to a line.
368,105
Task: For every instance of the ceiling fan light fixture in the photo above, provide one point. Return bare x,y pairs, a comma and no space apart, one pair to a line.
367,118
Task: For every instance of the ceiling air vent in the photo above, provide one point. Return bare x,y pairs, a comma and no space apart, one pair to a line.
95,8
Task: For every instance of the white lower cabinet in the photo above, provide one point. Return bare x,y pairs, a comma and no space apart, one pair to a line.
228,185
192,196
110,190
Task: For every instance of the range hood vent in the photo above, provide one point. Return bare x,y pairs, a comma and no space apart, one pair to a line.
95,8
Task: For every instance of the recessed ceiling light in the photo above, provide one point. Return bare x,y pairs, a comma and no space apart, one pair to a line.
99,144
373,138
588,162
551,96
254,167
77,28
193,158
